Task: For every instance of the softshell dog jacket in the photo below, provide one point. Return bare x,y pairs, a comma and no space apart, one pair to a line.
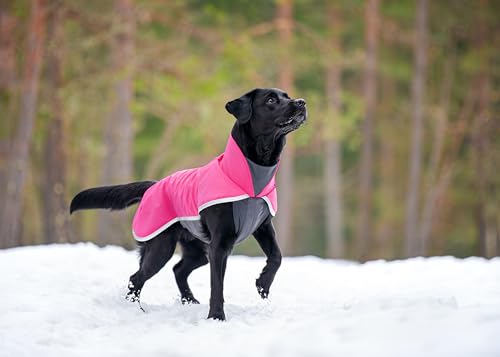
230,177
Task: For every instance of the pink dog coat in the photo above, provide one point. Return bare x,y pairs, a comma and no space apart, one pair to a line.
230,177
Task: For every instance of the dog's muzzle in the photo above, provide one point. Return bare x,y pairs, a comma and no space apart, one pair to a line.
300,103
298,114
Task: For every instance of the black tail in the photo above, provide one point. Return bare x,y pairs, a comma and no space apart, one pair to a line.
110,197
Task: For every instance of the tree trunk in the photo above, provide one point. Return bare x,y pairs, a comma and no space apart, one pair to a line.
335,247
117,165
413,246
55,212
8,74
497,240
480,141
386,230
286,172
385,241
436,184
7,48
10,221
364,229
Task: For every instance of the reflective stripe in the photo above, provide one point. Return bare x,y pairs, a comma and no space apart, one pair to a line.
165,226
222,200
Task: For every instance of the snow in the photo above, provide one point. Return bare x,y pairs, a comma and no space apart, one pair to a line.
67,300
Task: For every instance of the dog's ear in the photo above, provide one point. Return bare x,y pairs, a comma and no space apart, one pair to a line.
241,108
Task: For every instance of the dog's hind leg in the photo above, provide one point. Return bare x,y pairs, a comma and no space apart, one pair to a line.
194,255
155,253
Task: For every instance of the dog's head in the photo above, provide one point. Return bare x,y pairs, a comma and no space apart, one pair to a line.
268,112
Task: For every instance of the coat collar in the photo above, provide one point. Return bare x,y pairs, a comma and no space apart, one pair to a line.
252,178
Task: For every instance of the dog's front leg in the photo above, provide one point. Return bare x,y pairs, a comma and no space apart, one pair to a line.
218,254
266,237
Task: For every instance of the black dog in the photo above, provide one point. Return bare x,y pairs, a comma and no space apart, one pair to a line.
264,118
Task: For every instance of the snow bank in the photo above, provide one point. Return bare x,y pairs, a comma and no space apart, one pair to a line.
67,300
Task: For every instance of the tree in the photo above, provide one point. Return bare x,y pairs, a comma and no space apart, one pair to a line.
413,245
364,230
438,179
7,48
55,212
487,230
335,247
10,221
8,77
286,175
117,163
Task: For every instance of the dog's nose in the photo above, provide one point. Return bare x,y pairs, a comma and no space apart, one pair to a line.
300,102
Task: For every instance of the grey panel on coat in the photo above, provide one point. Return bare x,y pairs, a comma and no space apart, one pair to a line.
261,175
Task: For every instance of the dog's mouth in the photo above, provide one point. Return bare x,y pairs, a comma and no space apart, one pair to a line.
293,122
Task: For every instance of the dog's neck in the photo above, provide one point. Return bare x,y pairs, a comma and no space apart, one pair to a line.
264,150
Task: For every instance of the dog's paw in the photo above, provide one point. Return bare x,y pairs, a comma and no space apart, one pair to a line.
133,295
220,316
189,300
263,291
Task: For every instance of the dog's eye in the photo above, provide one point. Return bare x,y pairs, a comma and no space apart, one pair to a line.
271,101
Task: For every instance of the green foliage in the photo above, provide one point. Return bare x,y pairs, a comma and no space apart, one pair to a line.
191,57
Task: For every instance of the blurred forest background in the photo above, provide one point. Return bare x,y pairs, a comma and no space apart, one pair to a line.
400,156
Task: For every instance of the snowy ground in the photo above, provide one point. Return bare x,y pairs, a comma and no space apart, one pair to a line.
67,300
